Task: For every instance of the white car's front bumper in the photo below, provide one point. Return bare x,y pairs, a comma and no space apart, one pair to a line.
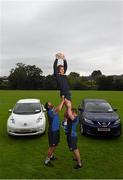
25,131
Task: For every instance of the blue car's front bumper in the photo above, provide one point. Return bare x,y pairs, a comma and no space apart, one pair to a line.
112,130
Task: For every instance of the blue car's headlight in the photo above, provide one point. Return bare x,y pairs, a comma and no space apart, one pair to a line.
117,122
88,121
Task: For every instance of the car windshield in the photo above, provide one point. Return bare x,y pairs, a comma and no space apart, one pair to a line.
27,108
98,107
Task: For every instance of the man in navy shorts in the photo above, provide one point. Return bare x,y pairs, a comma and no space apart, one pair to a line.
61,78
53,130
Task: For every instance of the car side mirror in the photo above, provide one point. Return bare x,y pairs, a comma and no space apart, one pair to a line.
10,110
115,109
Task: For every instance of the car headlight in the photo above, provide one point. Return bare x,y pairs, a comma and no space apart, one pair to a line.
117,122
88,121
39,119
12,120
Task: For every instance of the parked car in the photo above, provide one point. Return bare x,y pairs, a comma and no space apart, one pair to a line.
97,117
27,118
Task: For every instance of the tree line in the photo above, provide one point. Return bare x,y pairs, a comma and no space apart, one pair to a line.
29,77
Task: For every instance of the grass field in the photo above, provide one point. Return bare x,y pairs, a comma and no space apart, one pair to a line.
23,157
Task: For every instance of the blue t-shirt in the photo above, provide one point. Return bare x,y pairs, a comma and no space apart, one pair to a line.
53,118
72,125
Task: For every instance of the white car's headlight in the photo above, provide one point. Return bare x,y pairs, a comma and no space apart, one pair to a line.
88,121
12,120
117,122
39,119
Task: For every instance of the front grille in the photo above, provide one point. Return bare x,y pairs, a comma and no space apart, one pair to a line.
25,132
104,124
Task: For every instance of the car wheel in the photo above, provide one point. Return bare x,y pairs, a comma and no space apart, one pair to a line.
119,134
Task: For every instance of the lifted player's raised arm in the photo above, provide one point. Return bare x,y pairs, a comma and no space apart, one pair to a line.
65,65
55,67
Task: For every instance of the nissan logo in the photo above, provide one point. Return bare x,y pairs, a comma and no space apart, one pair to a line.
104,123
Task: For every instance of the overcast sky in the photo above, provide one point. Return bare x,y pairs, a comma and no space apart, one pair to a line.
89,32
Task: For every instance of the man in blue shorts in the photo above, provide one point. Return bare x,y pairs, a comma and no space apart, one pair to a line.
53,130
71,134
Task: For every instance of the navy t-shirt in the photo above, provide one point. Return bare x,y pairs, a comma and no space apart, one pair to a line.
53,118
61,79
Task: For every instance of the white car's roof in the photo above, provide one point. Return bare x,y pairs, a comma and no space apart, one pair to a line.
29,101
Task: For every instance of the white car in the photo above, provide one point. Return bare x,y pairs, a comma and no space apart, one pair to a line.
27,118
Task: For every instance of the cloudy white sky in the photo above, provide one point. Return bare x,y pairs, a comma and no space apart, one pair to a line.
89,32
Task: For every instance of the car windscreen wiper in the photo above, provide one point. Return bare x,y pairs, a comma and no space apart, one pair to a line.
97,111
24,112
109,111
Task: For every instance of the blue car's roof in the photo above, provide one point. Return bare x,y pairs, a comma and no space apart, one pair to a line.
94,100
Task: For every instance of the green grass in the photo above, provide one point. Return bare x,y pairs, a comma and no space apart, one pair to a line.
23,157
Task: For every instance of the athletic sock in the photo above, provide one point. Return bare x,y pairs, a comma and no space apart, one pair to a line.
47,160
80,164
52,155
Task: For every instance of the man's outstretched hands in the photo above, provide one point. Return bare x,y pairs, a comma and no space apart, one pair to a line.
60,56
67,102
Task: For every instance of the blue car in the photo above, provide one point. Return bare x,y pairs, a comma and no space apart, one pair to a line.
97,117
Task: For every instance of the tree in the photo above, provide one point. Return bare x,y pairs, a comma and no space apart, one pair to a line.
34,77
118,85
50,82
25,77
105,83
78,82
31,77
17,77
96,74
73,75
80,85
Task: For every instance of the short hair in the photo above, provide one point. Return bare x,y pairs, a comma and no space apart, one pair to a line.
60,66
46,106
74,110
